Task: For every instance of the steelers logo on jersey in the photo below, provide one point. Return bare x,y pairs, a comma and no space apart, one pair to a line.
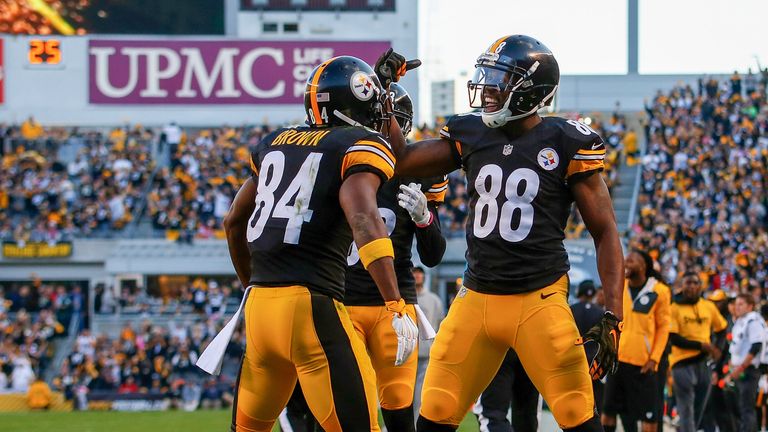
548,159
362,86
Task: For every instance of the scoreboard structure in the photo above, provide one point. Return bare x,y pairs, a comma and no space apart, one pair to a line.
44,52
255,74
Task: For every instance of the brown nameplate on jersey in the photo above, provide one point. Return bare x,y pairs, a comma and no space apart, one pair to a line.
302,138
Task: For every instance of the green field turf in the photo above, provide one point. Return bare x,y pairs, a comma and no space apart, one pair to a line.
170,421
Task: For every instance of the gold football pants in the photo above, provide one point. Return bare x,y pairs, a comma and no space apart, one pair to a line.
292,333
477,333
395,383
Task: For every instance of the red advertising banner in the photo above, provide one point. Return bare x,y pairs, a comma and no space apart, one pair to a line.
193,72
2,73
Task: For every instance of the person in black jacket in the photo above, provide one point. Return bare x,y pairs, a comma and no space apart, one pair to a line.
587,314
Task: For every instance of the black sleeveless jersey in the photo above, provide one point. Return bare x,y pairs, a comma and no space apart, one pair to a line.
520,198
298,234
360,289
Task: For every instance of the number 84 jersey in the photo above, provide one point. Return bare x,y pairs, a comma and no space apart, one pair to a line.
520,198
298,234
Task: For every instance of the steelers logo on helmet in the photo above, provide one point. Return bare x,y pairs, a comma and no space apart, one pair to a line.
548,159
344,91
362,86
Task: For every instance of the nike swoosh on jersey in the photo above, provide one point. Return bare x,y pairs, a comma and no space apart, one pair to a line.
545,296
596,146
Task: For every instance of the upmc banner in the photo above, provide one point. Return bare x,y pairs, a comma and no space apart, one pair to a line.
2,74
193,72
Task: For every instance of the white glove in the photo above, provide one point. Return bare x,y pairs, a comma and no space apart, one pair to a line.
406,330
414,202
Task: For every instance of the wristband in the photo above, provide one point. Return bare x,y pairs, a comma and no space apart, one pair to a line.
429,221
615,320
376,249
396,306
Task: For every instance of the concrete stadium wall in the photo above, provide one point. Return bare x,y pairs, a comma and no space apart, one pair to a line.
585,93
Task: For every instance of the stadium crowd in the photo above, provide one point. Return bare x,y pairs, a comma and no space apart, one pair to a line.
52,195
49,196
190,197
154,360
210,298
31,316
703,193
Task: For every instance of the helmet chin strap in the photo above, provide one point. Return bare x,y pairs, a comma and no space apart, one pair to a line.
503,116
499,117
346,119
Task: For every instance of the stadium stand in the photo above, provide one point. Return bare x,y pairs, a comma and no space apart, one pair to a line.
59,184
702,200
31,317
52,193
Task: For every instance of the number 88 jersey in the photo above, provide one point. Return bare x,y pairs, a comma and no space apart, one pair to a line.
520,198
297,233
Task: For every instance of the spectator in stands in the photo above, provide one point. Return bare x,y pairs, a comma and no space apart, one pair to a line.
172,136
128,386
22,375
212,395
39,395
31,129
3,382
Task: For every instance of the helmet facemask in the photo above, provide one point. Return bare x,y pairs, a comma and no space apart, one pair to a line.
508,89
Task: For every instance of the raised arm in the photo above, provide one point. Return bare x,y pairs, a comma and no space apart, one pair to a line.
236,227
594,203
428,158
358,199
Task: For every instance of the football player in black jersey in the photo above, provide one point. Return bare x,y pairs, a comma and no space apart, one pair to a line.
523,174
408,207
407,211
288,233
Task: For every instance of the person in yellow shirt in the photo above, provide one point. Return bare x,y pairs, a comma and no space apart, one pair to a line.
632,391
693,320
39,395
31,129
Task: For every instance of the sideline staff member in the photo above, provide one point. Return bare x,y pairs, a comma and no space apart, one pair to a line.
693,321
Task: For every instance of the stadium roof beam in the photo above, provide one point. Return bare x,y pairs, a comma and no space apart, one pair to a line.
632,36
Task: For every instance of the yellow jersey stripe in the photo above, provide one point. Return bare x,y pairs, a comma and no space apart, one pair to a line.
590,152
438,197
580,166
253,166
379,145
367,158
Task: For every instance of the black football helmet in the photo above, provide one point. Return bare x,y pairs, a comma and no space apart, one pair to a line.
344,91
402,107
520,69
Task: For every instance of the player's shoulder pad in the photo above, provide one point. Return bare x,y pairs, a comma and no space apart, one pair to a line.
463,127
349,135
574,136
573,130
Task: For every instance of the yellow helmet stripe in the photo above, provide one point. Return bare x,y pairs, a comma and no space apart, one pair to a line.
497,43
313,90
